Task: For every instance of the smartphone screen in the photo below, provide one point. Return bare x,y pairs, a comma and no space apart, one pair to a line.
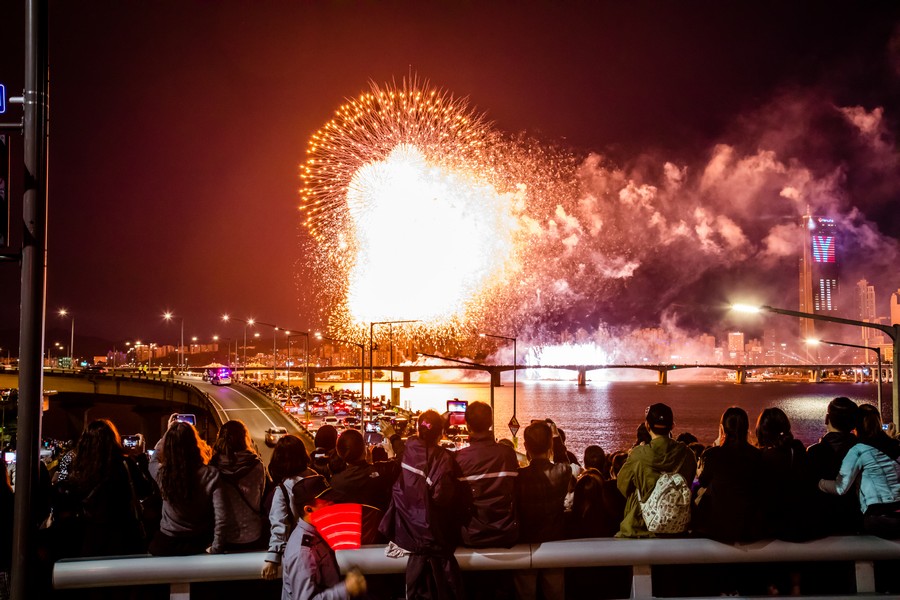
186,418
885,426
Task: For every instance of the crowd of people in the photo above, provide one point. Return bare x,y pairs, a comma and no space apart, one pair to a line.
424,501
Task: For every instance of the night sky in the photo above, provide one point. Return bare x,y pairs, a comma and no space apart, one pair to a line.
178,127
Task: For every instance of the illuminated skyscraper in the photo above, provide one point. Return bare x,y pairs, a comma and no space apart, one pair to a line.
865,302
895,308
818,271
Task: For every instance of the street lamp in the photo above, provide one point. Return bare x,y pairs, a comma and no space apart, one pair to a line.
168,316
877,352
275,329
63,312
362,371
371,345
515,363
472,364
893,331
246,322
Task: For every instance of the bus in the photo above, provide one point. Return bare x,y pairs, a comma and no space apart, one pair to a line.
218,376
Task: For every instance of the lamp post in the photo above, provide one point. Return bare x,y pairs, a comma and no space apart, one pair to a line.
362,371
63,312
168,316
246,322
371,346
472,364
515,363
275,329
877,352
305,335
893,331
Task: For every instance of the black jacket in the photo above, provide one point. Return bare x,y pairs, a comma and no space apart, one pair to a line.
489,472
835,515
426,502
364,483
541,489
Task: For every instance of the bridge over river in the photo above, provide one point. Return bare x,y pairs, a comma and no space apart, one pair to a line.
814,371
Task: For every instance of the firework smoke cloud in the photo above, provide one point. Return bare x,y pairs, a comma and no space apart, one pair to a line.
421,210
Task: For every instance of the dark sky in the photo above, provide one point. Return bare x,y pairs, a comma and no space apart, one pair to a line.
178,127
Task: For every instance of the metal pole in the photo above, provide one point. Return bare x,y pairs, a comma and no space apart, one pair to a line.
878,382
392,362
362,381
245,350
181,346
306,375
895,388
274,350
288,364
24,583
515,371
72,346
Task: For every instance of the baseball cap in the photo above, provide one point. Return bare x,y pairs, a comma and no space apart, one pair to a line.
659,417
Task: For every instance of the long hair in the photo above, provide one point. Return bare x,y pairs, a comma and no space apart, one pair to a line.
289,458
5,485
869,431
773,429
99,451
183,452
233,438
735,426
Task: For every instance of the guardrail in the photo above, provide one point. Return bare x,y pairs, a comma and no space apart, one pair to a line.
179,572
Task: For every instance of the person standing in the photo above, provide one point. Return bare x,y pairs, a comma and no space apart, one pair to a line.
193,509
311,570
109,484
541,490
646,462
289,467
423,517
489,472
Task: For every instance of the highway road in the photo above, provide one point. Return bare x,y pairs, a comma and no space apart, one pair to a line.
245,403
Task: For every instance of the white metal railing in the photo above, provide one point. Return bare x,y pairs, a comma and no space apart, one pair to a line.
180,571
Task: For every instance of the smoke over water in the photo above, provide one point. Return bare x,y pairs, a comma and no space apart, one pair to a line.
589,261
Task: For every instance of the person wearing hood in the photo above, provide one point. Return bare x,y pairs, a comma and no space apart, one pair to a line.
244,480
326,440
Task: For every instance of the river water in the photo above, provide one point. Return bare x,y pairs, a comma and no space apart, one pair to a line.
608,413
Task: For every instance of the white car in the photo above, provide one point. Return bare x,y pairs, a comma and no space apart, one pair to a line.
333,421
273,434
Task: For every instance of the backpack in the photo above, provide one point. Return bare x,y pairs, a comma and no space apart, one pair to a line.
668,507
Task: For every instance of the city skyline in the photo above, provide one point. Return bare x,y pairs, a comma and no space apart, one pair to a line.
173,181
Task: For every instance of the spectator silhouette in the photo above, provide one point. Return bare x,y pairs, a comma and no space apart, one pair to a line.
835,515
193,510
646,462
244,480
728,501
541,489
288,467
423,517
873,464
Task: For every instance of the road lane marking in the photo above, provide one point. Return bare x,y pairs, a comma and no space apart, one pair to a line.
260,409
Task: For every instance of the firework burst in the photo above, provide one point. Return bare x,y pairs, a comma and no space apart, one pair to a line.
413,202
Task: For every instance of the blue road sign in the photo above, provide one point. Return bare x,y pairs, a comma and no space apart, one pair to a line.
2,98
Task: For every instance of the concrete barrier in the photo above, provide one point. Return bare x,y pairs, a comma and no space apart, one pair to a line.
179,572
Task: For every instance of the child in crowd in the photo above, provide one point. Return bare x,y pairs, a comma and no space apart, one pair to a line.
310,566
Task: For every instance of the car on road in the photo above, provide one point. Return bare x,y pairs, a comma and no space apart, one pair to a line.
333,421
273,434
351,422
340,410
94,370
319,410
